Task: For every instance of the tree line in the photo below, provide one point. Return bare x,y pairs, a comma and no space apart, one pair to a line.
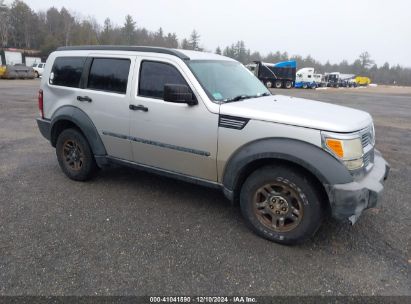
21,27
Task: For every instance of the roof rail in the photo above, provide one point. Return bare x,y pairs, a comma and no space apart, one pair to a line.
148,49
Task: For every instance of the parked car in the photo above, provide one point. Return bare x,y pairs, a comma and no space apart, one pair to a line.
38,69
204,118
17,71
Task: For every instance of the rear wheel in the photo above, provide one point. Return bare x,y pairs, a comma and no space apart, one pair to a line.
281,204
75,156
305,86
278,84
269,84
288,84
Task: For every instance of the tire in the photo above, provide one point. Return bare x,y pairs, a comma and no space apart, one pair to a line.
261,207
288,84
269,84
75,156
278,84
36,74
305,86
313,86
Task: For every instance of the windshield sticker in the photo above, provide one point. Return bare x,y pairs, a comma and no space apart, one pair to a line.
217,96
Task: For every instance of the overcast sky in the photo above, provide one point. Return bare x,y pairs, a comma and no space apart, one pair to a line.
334,30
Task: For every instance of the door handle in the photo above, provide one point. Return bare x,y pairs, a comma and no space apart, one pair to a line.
84,98
138,108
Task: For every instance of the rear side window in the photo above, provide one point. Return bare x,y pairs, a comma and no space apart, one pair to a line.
153,77
109,74
67,71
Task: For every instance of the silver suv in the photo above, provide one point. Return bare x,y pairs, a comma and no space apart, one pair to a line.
206,119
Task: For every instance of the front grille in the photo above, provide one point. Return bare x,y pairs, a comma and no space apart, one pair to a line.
366,139
367,143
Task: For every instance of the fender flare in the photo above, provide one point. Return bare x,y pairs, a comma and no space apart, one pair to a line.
83,122
327,169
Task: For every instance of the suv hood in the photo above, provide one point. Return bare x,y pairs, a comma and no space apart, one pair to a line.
299,112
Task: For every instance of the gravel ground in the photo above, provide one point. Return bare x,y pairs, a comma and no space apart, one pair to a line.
132,233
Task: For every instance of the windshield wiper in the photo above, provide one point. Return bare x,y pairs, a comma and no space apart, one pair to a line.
238,98
242,97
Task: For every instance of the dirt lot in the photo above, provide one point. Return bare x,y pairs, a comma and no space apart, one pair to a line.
128,232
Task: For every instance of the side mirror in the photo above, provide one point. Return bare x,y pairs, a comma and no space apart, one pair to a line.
179,93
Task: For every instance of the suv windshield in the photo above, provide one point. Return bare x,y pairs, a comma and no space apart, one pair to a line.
226,81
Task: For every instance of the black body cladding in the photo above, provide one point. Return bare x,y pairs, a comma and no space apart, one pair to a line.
83,122
320,163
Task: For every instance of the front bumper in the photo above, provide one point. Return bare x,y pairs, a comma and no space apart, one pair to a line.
349,200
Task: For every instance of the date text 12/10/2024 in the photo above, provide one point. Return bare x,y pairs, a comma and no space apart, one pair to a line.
202,299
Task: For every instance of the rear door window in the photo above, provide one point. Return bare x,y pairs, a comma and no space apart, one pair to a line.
67,71
153,77
109,74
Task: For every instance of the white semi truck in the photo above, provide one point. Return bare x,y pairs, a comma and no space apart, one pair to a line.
306,78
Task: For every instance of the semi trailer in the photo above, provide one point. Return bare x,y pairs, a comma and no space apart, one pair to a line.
275,75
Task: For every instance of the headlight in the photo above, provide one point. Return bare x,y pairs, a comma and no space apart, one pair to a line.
349,150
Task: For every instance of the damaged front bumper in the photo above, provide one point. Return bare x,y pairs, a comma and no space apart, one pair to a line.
349,200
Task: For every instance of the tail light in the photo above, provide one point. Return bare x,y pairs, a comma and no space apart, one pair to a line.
40,99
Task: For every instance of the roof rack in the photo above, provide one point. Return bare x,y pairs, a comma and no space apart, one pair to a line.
148,49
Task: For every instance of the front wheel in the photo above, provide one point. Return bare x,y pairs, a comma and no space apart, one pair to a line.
75,156
281,204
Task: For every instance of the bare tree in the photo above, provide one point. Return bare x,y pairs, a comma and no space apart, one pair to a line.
366,61
4,23
68,22
21,21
